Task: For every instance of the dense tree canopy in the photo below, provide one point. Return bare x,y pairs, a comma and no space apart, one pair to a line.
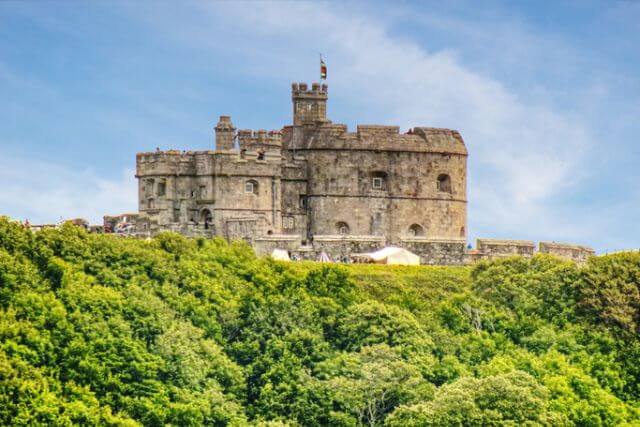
102,330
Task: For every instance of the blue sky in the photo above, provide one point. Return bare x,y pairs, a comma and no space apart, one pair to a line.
546,96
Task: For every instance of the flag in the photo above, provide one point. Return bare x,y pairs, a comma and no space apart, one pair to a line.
323,70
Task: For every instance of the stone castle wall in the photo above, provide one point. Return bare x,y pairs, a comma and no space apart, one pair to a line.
569,251
316,187
431,251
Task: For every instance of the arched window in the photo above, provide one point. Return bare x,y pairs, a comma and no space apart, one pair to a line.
416,230
444,183
251,187
151,204
342,228
462,232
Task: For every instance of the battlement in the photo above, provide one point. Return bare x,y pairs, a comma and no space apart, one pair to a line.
169,155
309,105
378,131
249,139
431,134
332,136
302,90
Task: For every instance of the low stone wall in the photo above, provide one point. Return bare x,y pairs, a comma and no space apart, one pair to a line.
437,251
266,244
575,253
432,251
496,248
189,230
338,246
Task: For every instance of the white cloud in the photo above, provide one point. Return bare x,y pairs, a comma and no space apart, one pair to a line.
45,193
523,150
527,154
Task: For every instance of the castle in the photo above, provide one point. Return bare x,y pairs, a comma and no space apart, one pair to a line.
314,186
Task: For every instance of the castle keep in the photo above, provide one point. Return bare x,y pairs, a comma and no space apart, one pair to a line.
314,186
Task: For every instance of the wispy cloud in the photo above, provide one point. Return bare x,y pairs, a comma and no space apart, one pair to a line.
43,192
524,151
547,119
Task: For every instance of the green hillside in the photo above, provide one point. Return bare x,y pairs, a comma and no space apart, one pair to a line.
100,330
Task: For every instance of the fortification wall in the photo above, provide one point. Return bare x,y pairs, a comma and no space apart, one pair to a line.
438,251
573,252
337,246
431,251
265,245
294,208
259,140
493,248
346,192
329,136
342,189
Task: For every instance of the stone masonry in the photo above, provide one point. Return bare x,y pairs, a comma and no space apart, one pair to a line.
314,186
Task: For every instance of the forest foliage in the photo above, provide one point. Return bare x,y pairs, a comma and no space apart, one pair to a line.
101,330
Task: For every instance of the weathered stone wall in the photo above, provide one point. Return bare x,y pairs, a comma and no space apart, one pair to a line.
575,253
337,246
341,190
438,251
294,196
309,104
501,248
314,178
317,187
177,189
266,244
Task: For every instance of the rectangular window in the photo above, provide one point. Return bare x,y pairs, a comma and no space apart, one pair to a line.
288,222
377,183
248,187
149,187
203,191
162,188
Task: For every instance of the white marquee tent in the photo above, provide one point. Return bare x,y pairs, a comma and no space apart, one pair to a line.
280,255
389,255
324,257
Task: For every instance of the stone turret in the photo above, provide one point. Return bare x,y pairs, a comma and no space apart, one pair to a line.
309,106
225,133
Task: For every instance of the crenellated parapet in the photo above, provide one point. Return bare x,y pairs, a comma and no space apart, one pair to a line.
169,162
330,136
302,90
259,140
309,105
